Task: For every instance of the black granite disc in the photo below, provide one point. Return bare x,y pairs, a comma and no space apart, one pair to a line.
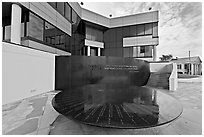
134,107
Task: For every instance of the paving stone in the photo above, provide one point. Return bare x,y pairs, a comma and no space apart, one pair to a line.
38,105
193,115
28,127
92,130
11,106
44,131
185,127
49,115
169,130
33,133
16,117
67,128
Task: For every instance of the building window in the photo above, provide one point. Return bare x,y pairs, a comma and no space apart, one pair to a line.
155,29
142,49
186,66
60,39
60,7
126,52
133,31
7,33
53,4
102,52
35,27
49,34
140,29
94,34
126,31
74,16
88,33
179,66
93,51
148,29
138,51
68,11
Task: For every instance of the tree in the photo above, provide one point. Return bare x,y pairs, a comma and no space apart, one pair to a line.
166,57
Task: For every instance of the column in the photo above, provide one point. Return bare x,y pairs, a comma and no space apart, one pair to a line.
99,51
192,69
88,51
154,53
16,24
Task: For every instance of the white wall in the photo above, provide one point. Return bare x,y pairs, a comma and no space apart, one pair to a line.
141,18
140,41
167,67
173,80
95,18
155,67
25,72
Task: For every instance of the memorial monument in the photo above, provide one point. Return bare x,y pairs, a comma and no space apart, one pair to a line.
110,92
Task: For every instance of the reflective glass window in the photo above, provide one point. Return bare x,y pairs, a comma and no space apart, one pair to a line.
148,51
155,29
140,29
107,36
7,32
99,35
36,27
88,33
60,7
132,31
148,29
53,4
67,11
59,39
94,34
93,51
68,43
49,34
135,51
102,52
126,31
74,16
119,34
142,49
22,30
113,35
126,52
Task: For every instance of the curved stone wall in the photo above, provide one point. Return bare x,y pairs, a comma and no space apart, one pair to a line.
113,72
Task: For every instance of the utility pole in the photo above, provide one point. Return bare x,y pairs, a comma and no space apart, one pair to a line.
189,66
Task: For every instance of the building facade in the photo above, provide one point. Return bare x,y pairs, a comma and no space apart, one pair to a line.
67,29
33,33
191,66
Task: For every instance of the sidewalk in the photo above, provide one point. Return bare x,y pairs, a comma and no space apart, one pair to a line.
192,80
36,116
32,116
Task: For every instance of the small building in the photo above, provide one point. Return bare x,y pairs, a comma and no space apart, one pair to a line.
189,65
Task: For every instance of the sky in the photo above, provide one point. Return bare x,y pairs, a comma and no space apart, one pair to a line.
180,23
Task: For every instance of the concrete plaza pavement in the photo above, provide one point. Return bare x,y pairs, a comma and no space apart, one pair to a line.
36,116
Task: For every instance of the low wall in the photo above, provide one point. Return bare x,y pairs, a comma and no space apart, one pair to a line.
25,72
173,80
163,75
111,72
